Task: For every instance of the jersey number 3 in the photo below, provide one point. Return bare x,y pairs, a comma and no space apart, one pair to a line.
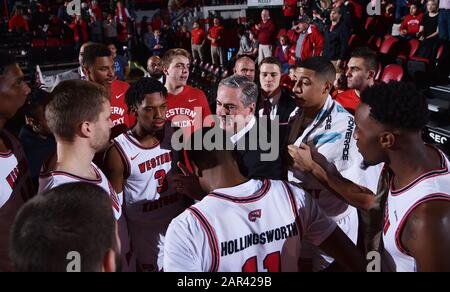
272,263
160,175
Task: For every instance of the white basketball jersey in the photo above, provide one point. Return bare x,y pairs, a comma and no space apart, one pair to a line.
51,179
147,193
150,202
433,186
16,187
256,226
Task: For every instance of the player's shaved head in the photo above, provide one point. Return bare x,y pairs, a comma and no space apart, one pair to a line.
70,219
209,147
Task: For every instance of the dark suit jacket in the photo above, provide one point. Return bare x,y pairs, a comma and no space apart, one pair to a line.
335,42
286,105
249,160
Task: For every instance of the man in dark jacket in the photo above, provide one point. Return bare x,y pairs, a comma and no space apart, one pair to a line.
273,100
257,147
335,45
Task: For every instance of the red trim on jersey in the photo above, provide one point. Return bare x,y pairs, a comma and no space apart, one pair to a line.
294,208
124,159
245,200
9,143
97,181
434,173
429,198
129,138
6,154
211,238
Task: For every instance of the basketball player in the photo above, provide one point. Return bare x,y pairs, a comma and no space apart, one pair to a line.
326,126
248,225
64,220
99,68
16,185
389,130
138,165
79,115
187,107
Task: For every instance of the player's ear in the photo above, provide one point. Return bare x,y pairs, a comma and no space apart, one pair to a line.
134,111
85,129
197,171
109,262
30,121
387,140
372,74
165,70
86,70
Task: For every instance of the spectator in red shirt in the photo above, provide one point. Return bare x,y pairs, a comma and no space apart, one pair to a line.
121,14
18,22
215,35
80,31
198,41
289,12
266,32
157,22
97,11
309,43
361,73
411,23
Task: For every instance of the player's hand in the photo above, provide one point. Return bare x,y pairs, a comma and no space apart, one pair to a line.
302,157
187,183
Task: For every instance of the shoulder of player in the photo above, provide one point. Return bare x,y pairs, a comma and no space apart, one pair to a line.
113,156
119,85
431,213
187,221
427,220
300,195
193,90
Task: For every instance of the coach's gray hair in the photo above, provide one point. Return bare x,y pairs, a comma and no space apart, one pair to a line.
249,89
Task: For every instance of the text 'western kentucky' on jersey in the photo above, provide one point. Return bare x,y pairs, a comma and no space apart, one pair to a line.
119,109
257,226
147,193
16,188
150,202
189,109
432,186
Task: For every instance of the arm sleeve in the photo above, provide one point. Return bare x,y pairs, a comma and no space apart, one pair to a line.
184,245
344,37
317,227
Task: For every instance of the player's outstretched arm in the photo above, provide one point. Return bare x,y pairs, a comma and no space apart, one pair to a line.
342,249
327,174
426,236
114,169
